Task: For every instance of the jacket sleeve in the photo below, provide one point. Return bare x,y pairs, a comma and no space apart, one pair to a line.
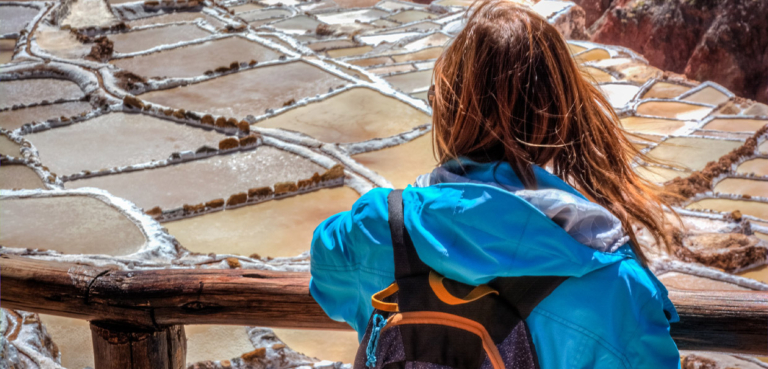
653,346
351,259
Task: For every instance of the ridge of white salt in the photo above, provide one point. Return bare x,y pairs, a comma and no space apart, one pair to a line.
667,265
385,142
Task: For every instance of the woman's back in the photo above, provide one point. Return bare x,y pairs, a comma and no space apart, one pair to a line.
508,100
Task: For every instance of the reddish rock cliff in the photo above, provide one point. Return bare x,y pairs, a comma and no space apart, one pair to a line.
725,41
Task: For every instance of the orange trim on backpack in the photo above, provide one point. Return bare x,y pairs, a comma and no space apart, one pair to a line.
436,282
450,320
377,300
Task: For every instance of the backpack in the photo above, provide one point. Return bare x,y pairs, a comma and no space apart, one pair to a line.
420,322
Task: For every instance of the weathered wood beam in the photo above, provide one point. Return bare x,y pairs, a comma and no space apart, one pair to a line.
727,321
125,347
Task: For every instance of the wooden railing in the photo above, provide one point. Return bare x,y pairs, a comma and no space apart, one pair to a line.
139,315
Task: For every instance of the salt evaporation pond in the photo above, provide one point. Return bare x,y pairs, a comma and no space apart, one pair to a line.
665,90
757,166
354,115
69,224
743,186
8,147
144,39
747,207
30,91
651,125
19,176
203,180
12,119
243,93
692,153
274,228
403,163
117,139
736,125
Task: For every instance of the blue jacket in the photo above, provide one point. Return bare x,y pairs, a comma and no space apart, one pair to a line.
611,313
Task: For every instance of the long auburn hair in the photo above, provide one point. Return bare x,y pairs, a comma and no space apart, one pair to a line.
507,89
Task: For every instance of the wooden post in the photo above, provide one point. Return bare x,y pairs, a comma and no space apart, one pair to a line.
126,347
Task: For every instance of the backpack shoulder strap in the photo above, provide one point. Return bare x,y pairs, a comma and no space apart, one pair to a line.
525,293
407,262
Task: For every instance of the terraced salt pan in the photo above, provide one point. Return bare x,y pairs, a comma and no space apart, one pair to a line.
575,49
28,91
435,39
376,39
707,95
659,174
403,163
60,43
411,82
297,25
673,109
204,180
195,60
116,139
598,75
325,345
68,224
665,90
743,186
145,39
8,147
592,55
14,18
264,14
354,115
393,69
349,51
692,153
681,281
331,44
6,50
367,62
747,207
651,125
73,337
13,176
179,16
246,8
356,3
758,166
12,119
425,54
619,95
735,125
409,16
759,274
763,147
273,228
244,93
362,15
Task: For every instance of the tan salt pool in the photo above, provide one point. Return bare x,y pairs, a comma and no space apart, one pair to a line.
273,228
354,115
707,95
349,51
258,15
331,44
246,7
13,176
424,54
592,55
743,186
763,147
27,91
204,180
14,18
692,153
297,25
754,208
673,109
243,93
757,166
324,345
665,90
409,16
411,82
367,62
6,49
362,15
598,75
759,274
183,62
180,16
618,95
12,119
8,147
393,69
651,125
403,163
117,139
736,125
68,224
435,39
659,174
130,42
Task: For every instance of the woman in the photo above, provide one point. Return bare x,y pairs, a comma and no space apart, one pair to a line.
508,101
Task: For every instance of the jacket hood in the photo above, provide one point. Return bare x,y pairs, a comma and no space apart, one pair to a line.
588,223
499,229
